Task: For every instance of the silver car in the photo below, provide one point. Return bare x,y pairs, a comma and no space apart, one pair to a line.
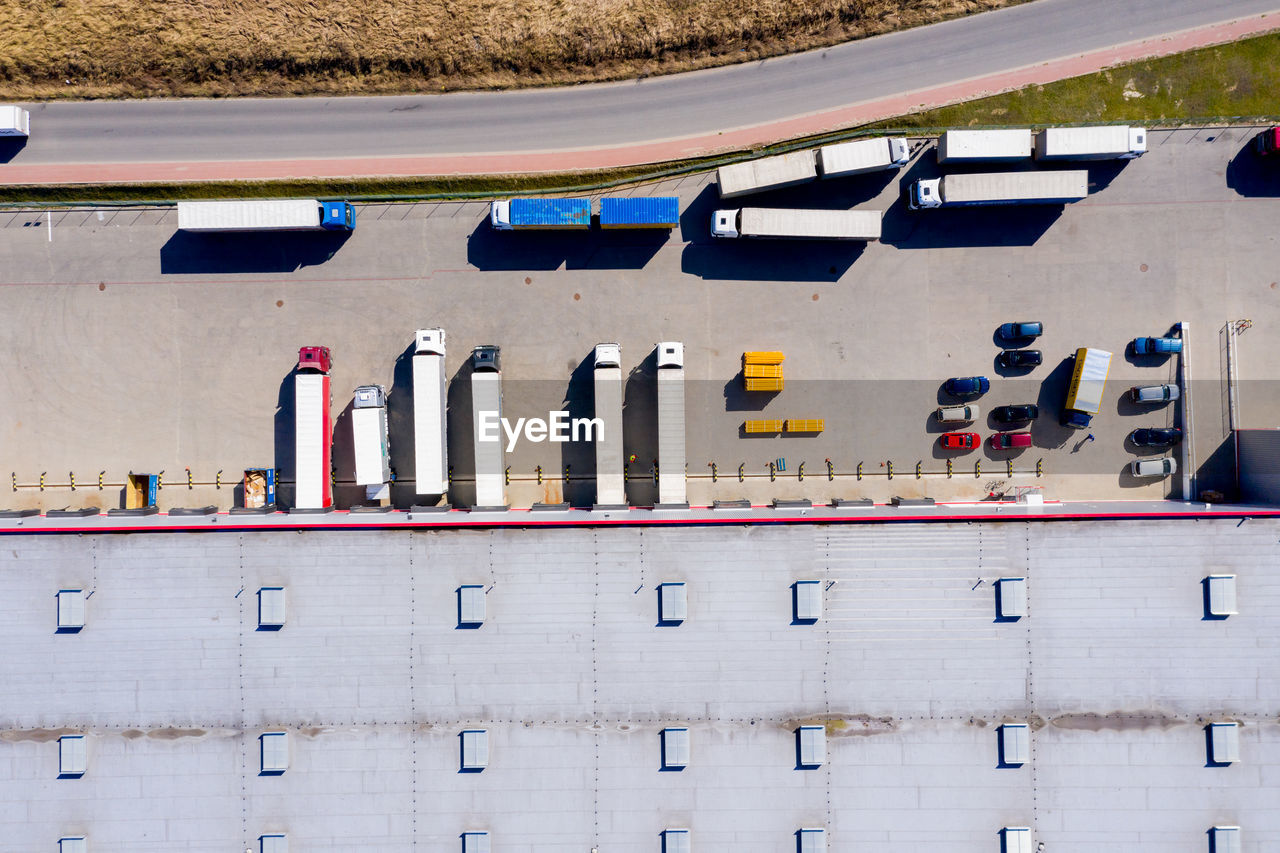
1154,393
1153,467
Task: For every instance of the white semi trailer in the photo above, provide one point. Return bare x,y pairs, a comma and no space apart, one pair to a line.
766,173
999,188
863,156
1105,142
289,214
430,411
369,441
791,224
607,375
486,404
671,430
976,146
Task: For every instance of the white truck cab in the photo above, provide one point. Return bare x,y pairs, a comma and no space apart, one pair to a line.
429,342
14,121
925,193
500,215
724,223
608,355
670,354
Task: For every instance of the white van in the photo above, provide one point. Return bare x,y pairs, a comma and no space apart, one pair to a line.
957,414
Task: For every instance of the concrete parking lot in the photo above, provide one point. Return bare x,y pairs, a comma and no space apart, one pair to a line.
132,346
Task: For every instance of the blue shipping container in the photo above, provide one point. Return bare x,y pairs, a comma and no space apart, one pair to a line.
550,213
637,212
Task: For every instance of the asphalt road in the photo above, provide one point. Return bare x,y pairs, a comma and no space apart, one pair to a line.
611,114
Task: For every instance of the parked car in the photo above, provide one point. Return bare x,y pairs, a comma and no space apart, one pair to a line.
1153,467
1008,440
1014,358
1155,436
1156,346
1016,413
1021,331
956,414
1154,393
967,386
960,440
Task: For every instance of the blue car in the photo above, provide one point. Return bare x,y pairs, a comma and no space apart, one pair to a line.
1021,331
1156,346
967,386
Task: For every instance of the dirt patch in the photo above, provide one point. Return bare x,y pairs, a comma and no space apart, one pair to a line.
139,48
1116,721
174,734
855,725
36,735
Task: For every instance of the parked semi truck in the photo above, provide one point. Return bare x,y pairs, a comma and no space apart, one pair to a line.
791,224
297,214
313,453
14,121
977,146
1105,142
863,156
639,212
766,173
607,376
1084,394
671,435
369,441
540,214
430,411
999,188
486,402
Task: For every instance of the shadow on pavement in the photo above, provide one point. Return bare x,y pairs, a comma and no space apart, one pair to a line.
10,146
1253,176
461,433
596,249
579,457
186,253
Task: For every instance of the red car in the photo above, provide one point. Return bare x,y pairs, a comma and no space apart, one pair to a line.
960,440
1006,440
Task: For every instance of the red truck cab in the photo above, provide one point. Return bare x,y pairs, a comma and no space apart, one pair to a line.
315,358
1267,142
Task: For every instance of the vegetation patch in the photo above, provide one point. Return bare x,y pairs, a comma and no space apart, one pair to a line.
214,48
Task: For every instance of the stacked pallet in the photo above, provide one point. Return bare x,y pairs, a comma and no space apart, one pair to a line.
762,371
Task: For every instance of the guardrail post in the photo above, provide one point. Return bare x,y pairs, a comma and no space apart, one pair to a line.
566,473
1039,467
859,470
189,486
42,473
101,474
72,475
919,469
1009,466
13,475
831,471
948,469
655,470
506,476
714,472
450,475
773,471
740,467
890,469
217,479
538,471
801,472
160,480
977,468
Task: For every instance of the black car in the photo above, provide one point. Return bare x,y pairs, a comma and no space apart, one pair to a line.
1015,414
967,386
1020,358
1155,436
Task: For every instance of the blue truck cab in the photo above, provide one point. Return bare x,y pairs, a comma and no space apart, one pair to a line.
1157,346
337,216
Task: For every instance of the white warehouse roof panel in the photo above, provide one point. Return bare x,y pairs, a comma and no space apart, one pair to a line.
675,748
70,609
675,841
275,752
1225,839
73,844
811,742
471,605
1224,742
1016,839
275,842
1222,595
813,840
73,758
475,749
808,601
475,842
673,603
1015,744
1013,598
271,607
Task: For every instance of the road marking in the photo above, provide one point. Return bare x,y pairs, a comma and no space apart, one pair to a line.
49,219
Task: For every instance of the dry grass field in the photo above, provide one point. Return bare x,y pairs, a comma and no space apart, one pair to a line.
136,48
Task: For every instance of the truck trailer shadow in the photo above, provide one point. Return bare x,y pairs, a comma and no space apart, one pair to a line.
285,458
11,146
1253,176
578,458
400,437
640,430
461,434
488,249
186,253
